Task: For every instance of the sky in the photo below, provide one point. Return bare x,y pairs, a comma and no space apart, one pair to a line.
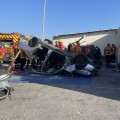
62,16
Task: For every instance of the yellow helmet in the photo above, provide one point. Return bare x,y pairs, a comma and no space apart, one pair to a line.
60,41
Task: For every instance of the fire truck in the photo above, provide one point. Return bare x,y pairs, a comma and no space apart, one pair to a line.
7,40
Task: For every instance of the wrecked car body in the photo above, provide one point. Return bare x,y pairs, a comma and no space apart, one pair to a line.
53,60
5,89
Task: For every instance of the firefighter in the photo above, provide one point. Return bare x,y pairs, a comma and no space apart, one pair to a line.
73,48
78,49
87,50
69,47
16,50
22,60
97,53
108,53
113,52
60,45
2,54
56,44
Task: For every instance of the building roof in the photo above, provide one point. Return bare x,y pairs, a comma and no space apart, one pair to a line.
54,37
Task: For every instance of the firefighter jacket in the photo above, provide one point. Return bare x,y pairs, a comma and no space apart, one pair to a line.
61,46
113,49
22,54
78,50
87,50
73,49
108,50
2,52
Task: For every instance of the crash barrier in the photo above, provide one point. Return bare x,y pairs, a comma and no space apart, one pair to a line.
5,89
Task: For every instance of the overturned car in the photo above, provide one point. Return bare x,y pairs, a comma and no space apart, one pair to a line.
53,60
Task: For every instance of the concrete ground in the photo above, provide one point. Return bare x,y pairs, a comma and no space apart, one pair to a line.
97,100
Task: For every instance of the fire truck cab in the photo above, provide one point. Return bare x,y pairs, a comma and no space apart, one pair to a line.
7,40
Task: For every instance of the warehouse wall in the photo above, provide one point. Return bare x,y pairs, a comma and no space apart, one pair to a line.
118,37
118,44
99,38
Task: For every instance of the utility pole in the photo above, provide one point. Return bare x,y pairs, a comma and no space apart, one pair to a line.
43,22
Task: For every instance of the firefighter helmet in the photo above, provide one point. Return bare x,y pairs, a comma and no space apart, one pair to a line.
60,41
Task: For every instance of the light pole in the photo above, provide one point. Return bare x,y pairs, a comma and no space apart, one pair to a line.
43,22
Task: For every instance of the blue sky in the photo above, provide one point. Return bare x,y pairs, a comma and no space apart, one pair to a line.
62,16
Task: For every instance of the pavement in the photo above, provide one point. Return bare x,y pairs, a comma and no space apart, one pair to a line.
39,97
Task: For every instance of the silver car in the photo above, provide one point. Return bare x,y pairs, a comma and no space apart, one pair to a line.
53,60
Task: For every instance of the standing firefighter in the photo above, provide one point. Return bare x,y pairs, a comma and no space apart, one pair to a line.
73,48
97,53
60,45
69,47
22,60
113,52
108,53
87,50
2,54
78,48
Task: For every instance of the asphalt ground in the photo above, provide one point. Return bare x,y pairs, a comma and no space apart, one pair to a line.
39,97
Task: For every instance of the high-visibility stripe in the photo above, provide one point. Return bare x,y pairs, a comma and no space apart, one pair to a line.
15,38
10,36
7,36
